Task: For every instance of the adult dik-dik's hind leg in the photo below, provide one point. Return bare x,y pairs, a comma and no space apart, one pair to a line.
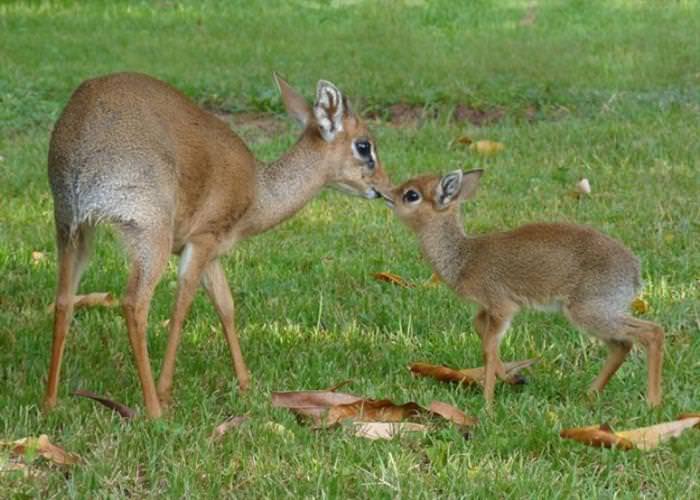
73,254
214,281
149,251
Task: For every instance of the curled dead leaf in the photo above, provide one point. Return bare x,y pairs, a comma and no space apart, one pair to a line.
690,415
43,447
449,412
648,438
470,376
327,409
311,404
487,148
392,278
597,436
644,438
371,410
385,430
227,425
104,299
123,410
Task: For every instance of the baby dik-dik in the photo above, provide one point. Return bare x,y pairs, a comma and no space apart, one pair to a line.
134,152
578,270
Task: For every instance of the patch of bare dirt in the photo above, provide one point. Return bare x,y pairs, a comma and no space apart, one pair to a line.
476,116
403,115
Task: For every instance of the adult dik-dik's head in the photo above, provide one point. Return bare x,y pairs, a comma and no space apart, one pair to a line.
340,137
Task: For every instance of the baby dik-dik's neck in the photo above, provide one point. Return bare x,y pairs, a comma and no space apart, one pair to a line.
447,247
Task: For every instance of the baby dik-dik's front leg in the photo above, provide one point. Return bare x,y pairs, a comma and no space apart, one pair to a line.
491,328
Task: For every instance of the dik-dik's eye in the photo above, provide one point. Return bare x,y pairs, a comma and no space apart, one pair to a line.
411,196
363,147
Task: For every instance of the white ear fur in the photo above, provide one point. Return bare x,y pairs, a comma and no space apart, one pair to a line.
294,102
448,188
329,110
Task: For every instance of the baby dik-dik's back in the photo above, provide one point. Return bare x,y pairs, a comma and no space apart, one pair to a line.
587,275
130,133
548,265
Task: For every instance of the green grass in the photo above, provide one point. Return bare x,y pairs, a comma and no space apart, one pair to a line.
615,86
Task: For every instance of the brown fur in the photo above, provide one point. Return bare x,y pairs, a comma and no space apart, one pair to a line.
133,151
589,276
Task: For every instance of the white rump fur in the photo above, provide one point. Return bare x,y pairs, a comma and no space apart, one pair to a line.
329,110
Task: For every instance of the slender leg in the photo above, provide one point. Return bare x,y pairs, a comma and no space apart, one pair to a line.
149,258
193,260
617,353
217,288
482,325
623,330
491,328
72,259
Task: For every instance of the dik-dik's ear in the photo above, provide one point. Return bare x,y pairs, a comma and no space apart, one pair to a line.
294,102
329,110
457,186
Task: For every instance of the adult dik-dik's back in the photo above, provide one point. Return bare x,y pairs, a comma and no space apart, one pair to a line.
134,152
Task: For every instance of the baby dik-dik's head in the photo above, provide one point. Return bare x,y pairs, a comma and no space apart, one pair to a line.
424,200
340,137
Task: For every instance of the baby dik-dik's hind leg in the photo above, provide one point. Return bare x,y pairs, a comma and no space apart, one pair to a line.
73,254
619,333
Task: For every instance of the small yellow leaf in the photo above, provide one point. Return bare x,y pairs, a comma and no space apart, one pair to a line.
640,306
487,148
433,282
392,278
37,257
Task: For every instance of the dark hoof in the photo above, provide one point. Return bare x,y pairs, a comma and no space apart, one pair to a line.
517,380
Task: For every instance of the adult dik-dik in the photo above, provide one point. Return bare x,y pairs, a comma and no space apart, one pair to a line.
575,269
132,151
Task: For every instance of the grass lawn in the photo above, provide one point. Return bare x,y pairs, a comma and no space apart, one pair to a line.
609,91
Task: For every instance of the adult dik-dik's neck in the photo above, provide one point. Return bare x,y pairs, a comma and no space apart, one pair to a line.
285,186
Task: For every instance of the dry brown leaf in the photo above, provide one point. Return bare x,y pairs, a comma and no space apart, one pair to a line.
371,410
327,409
640,306
227,425
465,139
385,430
487,148
117,407
392,278
449,412
648,438
312,404
105,299
43,447
689,415
597,436
644,438
469,376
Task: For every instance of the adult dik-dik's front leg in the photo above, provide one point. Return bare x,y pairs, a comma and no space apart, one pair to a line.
214,281
194,258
